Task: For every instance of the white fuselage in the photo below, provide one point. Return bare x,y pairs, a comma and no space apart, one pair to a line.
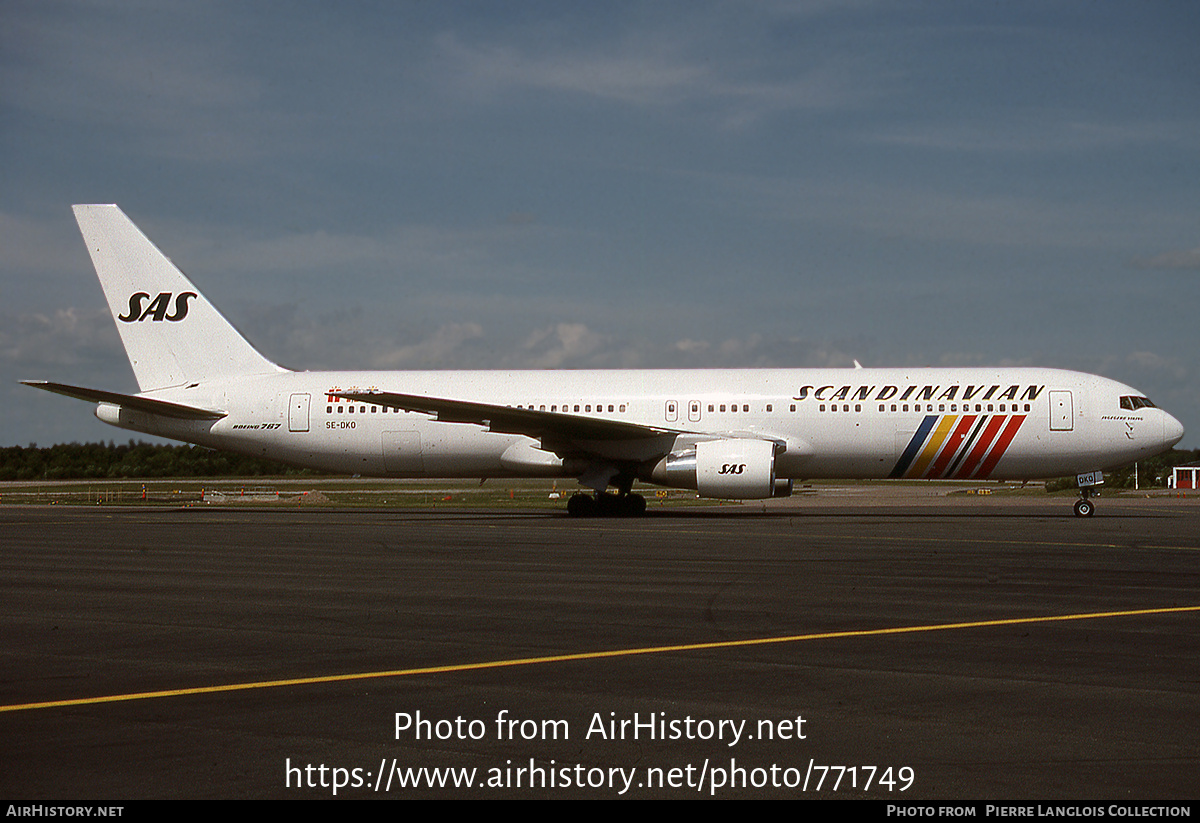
969,424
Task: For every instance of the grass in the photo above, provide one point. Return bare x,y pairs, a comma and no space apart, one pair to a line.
335,492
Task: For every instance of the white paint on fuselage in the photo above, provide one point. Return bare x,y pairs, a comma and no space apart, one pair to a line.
864,443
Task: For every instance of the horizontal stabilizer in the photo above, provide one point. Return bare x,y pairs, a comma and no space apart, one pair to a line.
129,401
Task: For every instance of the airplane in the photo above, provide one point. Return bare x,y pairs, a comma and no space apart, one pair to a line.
740,434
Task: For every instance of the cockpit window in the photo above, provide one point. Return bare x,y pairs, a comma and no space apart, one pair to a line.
1131,403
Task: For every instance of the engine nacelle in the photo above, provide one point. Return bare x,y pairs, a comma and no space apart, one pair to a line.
735,469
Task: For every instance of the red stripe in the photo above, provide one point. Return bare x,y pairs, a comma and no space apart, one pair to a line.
955,440
981,446
1010,431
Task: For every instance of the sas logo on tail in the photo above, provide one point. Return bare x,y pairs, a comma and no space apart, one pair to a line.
157,309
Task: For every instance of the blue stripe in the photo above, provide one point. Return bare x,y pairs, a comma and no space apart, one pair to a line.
914,446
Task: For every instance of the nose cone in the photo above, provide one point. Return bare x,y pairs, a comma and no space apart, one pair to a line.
1172,430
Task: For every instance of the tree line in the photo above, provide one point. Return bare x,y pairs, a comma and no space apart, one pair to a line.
132,460
1151,473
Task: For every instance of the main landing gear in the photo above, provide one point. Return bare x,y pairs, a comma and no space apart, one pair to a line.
604,504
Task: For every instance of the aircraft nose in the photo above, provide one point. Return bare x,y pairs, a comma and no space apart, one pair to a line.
1172,430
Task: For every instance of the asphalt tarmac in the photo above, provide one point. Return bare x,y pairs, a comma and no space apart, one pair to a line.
976,650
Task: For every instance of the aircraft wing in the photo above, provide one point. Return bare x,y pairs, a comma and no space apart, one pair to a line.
129,401
551,426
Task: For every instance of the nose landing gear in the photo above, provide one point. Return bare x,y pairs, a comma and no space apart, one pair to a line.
1084,507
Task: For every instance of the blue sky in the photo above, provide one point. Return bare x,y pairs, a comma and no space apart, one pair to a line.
575,185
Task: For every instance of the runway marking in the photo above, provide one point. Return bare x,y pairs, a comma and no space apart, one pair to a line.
566,658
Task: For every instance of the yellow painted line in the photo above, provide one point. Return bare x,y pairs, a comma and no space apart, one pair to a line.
566,658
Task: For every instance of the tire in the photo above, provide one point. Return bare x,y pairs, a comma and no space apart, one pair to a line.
581,505
634,505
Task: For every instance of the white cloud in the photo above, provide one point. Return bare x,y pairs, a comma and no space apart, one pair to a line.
1184,259
671,68
1034,132
66,338
637,78
447,250
1162,366
449,344
562,346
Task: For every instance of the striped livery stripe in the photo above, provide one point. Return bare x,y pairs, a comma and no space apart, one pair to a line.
960,447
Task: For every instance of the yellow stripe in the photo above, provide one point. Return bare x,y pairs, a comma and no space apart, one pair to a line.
931,449
566,658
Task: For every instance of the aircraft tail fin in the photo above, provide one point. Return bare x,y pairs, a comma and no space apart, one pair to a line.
171,333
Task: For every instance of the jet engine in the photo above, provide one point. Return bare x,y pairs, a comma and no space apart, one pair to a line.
734,469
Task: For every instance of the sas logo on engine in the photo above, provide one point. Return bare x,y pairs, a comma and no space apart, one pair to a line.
157,309
732,468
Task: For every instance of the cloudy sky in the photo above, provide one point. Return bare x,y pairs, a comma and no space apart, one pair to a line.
419,185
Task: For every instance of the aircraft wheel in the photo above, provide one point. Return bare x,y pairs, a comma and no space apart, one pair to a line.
635,505
581,505
1084,508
